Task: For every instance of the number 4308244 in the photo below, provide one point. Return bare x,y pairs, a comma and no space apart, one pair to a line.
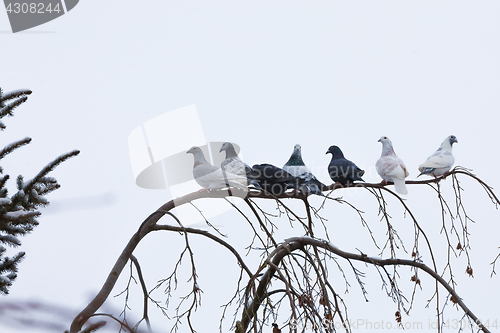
33,7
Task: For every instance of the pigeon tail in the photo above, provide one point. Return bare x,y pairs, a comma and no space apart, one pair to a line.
400,186
426,171
312,189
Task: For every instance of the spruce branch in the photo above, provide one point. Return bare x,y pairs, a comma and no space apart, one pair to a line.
9,108
13,146
28,199
18,213
12,94
8,271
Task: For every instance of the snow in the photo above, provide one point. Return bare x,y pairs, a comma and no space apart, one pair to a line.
12,146
4,280
16,214
5,201
9,239
15,93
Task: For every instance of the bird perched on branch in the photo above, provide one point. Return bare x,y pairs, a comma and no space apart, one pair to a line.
441,161
296,167
390,167
234,165
342,170
211,177
272,179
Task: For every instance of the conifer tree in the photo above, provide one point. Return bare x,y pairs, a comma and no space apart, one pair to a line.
19,212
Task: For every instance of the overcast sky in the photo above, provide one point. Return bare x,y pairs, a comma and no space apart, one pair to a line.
266,75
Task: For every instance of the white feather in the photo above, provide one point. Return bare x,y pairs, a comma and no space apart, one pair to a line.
300,171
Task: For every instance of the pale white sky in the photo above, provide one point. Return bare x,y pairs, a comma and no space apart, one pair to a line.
266,75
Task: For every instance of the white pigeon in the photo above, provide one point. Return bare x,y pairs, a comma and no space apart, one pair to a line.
441,161
390,167
210,177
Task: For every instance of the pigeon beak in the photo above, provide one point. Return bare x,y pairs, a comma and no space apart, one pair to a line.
378,140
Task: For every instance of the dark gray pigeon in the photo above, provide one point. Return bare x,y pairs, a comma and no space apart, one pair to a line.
295,166
272,179
342,170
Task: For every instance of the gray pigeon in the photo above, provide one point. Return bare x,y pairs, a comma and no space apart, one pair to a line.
441,161
342,170
209,176
296,167
234,165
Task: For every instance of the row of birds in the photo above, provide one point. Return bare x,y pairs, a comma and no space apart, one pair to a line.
297,176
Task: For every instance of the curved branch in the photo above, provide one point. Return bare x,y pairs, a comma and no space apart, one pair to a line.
144,229
150,225
336,186
251,310
145,315
209,235
295,243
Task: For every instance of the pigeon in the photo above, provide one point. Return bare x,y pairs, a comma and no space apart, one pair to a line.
210,177
342,170
272,179
296,167
234,165
390,167
441,161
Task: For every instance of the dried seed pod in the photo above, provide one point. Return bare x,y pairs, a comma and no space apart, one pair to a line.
398,316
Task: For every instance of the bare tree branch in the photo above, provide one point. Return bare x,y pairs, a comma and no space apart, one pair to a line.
303,275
